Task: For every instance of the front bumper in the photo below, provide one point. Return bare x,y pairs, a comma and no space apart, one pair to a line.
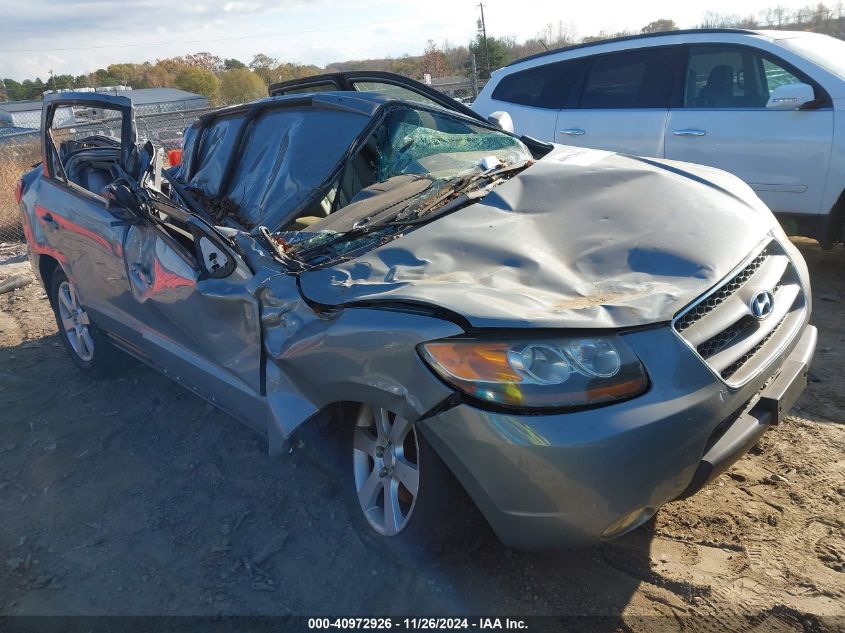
579,478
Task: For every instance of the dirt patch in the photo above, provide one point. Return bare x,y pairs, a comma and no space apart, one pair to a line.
133,497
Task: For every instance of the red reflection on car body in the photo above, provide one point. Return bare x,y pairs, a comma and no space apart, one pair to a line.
73,227
164,279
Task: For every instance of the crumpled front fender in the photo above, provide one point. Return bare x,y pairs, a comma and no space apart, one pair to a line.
315,359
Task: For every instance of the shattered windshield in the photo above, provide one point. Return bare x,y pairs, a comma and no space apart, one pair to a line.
412,141
415,166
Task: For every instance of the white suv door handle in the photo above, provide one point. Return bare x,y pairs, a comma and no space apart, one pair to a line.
574,131
690,131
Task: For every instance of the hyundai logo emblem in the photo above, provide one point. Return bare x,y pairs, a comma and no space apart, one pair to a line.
762,304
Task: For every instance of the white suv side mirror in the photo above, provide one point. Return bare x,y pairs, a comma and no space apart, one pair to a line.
502,119
790,97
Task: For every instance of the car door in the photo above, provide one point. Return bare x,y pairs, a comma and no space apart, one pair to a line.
722,120
84,231
623,103
200,319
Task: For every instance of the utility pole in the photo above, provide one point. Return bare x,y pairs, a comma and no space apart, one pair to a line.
474,75
482,26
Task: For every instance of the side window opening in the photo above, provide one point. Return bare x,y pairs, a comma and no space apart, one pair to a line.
391,90
86,146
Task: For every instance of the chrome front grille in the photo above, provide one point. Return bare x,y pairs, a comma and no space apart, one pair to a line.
722,293
721,328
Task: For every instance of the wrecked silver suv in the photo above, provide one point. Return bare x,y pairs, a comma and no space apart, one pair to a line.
564,339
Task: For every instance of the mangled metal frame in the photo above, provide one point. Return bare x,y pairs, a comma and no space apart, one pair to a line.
299,338
386,289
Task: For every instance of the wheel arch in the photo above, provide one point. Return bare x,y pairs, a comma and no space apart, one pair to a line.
47,267
833,227
282,433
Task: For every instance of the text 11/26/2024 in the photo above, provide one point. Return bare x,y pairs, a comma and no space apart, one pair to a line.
414,624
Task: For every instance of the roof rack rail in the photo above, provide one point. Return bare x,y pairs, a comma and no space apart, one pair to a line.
624,38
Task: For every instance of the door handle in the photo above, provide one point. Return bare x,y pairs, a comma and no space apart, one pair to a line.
49,221
690,131
574,131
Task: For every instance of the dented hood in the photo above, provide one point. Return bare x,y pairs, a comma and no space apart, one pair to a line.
581,239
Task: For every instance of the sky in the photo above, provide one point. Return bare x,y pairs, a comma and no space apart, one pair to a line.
75,37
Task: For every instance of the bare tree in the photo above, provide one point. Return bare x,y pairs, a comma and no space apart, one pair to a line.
715,20
781,15
658,26
457,57
748,22
557,35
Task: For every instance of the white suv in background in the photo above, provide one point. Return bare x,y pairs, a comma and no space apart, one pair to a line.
768,106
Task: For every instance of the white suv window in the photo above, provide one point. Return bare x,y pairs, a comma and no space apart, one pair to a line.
731,77
544,86
777,76
637,78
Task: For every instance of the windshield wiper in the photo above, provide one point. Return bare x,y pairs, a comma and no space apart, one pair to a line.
443,205
452,197
338,238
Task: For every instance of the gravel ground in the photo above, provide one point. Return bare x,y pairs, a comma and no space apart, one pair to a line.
132,496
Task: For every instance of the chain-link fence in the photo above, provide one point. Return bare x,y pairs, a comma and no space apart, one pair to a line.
163,124
18,152
458,88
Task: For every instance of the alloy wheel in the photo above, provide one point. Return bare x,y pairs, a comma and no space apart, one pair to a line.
75,322
385,461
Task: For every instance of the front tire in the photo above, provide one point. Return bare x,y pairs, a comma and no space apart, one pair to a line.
89,348
402,492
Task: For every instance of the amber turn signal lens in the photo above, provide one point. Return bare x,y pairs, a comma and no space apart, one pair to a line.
473,362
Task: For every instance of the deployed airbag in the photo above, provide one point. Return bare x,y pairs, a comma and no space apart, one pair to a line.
278,163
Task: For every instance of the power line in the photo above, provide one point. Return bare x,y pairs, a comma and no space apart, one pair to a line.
202,41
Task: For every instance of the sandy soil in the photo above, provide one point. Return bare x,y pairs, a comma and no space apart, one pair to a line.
132,496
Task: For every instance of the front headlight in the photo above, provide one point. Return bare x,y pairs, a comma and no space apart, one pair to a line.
559,373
